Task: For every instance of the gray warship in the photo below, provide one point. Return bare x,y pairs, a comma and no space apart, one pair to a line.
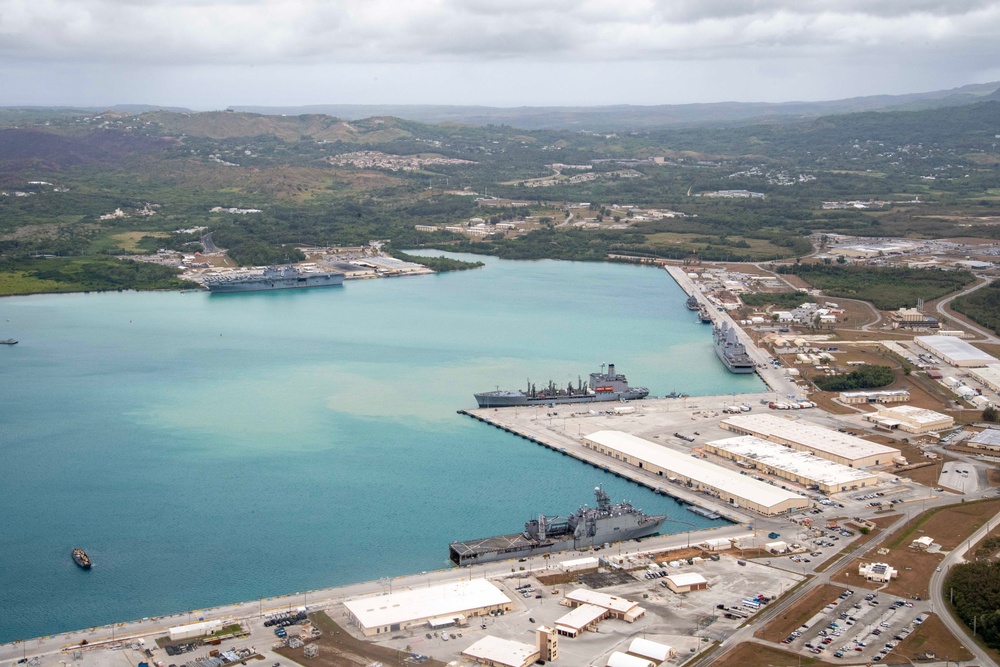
731,351
272,278
610,386
587,527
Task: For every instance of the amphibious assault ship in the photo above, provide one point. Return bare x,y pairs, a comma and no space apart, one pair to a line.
610,386
587,527
273,277
731,351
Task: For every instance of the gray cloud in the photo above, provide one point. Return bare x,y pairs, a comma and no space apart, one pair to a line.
788,47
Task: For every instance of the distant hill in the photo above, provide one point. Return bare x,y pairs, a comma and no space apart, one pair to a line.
633,117
24,148
318,127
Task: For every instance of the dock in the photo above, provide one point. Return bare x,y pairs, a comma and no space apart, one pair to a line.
775,378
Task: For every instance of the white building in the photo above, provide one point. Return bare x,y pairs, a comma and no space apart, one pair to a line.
877,572
655,651
619,659
727,485
956,351
455,601
988,376
824,442
910,419
685,582
497,652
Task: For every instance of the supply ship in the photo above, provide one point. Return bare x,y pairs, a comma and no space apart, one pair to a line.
273,277
81,558
610,386
587,527
731,351
692,303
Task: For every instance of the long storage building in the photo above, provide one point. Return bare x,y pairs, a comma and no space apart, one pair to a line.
956,351
450,604
727,485
832,445
795,465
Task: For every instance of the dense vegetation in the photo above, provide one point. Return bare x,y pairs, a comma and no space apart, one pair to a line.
888,288
981,306
440,264
780,299
864,377
257,253
84,275
975,595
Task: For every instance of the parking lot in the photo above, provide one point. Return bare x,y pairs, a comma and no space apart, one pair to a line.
858,624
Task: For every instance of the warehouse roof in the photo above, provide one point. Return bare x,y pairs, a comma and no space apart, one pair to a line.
619,659
986,374
801,463
598,599
707,474
499,651
990,436
430,602
812,436
581,617
687,579
956,349
913,414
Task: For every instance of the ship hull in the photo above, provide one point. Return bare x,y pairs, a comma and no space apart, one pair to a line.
81,558
263,285
734,367
505,547
508,399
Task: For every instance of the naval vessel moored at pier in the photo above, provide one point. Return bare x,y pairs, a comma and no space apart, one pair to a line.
272,278
610,386
587,527
731,351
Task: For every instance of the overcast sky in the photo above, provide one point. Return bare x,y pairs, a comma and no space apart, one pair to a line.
208,54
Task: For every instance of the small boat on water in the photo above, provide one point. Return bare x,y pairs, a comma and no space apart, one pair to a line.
9,341
81,558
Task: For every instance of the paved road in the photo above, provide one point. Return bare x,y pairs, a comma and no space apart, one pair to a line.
208,244
986,336
956,627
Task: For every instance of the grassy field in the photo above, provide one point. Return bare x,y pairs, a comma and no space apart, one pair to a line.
19,282
759,249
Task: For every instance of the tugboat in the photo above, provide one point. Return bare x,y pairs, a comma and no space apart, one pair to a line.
81,558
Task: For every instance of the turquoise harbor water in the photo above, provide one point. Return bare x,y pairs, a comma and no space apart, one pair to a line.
210,449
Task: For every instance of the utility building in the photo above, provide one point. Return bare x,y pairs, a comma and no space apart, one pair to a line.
727,485
685,582
823,442
910,419
496,652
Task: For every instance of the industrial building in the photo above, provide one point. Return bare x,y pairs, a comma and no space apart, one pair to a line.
685,582
620,608
887,396
988,376
910,419
956,351
986,439
795,465
727,485
497,652
584,617
450,603
823,442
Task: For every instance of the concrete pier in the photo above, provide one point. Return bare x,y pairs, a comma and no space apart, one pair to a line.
775,378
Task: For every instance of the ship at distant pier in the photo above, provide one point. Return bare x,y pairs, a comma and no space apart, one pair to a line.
610,386
731,351
272,278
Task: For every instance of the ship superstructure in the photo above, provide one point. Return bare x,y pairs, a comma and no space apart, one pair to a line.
272,278
731,351
587,527
610,386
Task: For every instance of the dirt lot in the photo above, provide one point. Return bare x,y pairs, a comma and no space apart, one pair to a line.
758,655
931,635
338,648
947,525
801,612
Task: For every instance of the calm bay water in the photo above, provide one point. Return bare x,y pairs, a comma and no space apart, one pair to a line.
210,449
